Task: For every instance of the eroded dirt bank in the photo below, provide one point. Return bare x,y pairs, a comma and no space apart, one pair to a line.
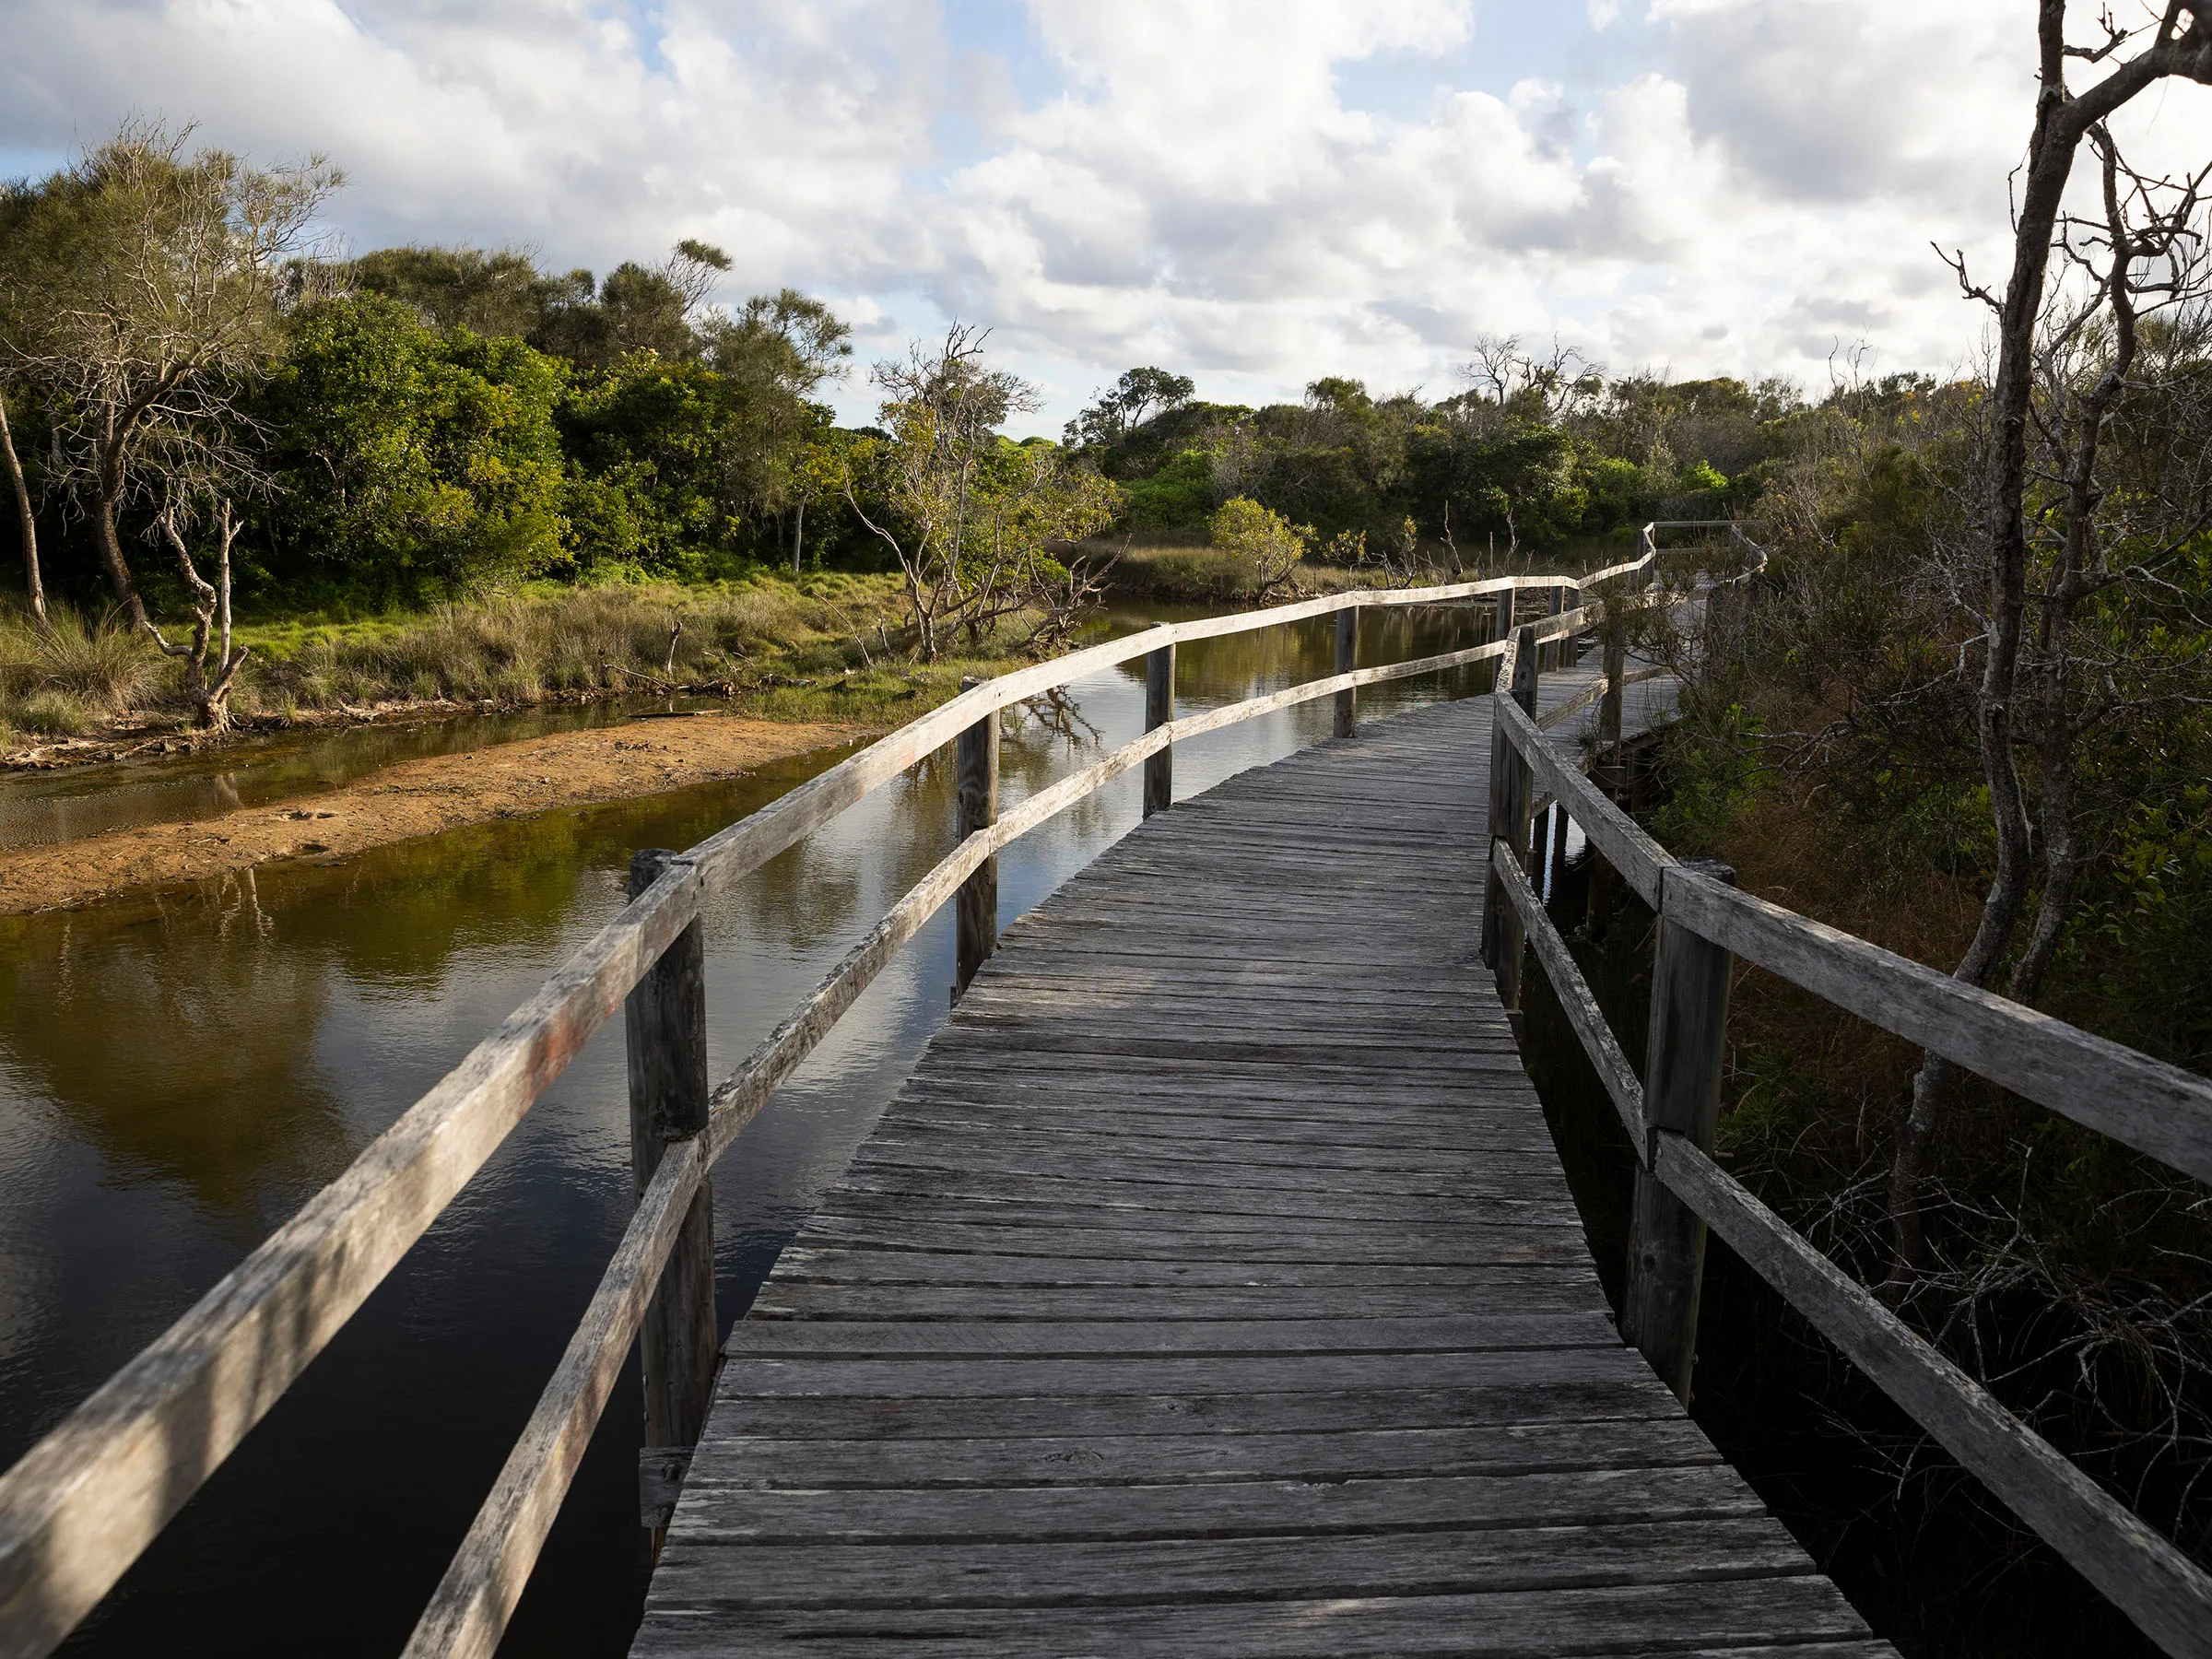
416,797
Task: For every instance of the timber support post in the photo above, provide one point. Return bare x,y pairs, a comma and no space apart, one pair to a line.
1511,791
978,903
1617,674
1347,654
1160,709
1501,624
1555,605
1681,1094
664,1031
1610,769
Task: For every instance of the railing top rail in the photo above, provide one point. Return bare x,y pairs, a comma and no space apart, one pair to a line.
2155,1108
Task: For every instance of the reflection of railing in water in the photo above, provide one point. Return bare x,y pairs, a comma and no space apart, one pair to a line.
1704,925
86,1501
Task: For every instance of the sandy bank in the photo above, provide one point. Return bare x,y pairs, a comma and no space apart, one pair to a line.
417,797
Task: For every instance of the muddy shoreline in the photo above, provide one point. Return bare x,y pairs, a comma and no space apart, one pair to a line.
637,758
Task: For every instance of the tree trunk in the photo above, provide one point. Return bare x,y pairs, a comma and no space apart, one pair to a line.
2051,161
2182,47
26,520
799,537
111,554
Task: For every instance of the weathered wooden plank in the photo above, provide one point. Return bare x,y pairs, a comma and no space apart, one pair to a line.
1229,1214
824,1464
1422,1128
1492,1329
1536,1393
1321,1242
942,1127
1019,1377
804,1264
1655,1540
787,1299
981,1158
1187,1511
1226,1216
1519,1624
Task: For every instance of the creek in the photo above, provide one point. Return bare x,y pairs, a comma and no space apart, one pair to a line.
180,1072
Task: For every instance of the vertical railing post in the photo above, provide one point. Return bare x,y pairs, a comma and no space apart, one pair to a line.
1160,709
1609,766
978,905
1681,1093
664,1028
1503,936
1348,655
1555,605
1616,673
1501,625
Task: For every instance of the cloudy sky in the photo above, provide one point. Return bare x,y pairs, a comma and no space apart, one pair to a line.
1252,191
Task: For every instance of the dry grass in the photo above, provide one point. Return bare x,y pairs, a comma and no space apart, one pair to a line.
826,648
71,675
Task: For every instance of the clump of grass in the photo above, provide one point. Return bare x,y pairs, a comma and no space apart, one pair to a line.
69,675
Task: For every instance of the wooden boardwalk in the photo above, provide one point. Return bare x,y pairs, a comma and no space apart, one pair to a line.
1213,1288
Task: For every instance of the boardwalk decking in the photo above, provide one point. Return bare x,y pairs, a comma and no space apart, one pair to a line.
1213,1288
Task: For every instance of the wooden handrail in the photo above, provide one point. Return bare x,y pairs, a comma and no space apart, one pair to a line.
2155,1108
84,1502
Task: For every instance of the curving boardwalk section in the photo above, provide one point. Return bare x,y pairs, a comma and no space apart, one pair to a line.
1213,1288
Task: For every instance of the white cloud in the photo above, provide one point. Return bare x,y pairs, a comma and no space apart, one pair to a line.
1740,186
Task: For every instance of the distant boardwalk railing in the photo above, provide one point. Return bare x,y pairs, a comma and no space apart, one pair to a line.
1704,925
84,1502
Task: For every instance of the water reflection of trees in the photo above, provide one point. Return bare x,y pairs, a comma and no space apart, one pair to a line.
1233,666
181,1049
179,1035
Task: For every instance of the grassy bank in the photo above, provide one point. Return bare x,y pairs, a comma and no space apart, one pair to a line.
822,649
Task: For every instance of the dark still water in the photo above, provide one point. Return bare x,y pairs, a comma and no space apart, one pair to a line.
178,1075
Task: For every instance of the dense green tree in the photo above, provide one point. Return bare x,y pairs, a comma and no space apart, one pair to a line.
410,459
1140,396
651,443
497,294
637,308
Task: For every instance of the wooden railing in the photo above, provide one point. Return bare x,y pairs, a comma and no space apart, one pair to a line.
84,1502
1705,926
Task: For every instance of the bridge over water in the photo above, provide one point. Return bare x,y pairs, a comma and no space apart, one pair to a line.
1212,1286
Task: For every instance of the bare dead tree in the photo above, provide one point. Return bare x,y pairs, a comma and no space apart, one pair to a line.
971,517
1546,389
146,285
208,680
2022,701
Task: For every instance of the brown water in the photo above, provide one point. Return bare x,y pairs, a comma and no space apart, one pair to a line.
178,1074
